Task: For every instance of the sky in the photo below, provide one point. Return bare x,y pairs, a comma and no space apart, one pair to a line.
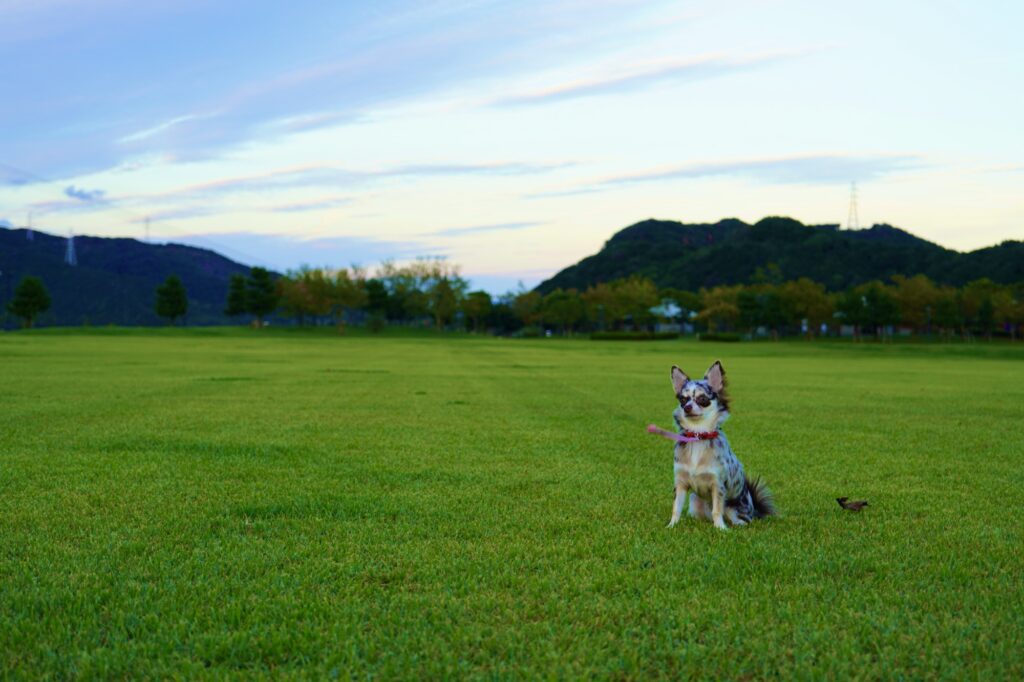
512,138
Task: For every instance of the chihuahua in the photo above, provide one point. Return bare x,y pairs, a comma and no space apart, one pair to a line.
707,466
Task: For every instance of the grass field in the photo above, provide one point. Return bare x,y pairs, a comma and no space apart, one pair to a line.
240,504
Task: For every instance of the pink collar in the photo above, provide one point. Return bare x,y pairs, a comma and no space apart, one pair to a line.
685,437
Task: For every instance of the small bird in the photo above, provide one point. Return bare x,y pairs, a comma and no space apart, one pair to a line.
852,506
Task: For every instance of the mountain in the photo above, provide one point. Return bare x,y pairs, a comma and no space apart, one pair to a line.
690,256
115,279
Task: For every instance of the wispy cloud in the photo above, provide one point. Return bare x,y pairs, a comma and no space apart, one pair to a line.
177,214
318,205
809,169
813,169
475,229
6,223
647,75
283,252
323,175
160,128
83,194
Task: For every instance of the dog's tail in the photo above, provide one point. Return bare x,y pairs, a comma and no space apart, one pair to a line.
764,504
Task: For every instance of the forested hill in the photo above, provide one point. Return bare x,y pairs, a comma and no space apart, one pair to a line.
115,279
690,256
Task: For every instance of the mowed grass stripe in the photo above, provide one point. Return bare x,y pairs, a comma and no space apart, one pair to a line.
232,504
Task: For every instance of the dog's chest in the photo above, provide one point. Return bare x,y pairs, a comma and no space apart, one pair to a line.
698,465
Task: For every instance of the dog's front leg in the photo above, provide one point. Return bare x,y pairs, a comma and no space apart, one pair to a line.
717,506
677,506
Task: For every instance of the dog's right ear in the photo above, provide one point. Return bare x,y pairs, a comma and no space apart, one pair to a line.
679,379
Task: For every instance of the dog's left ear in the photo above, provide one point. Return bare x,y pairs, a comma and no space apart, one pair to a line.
716,377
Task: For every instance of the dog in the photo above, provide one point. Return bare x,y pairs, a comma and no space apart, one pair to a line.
707,467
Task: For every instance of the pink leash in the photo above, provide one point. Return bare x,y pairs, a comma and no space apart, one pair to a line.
671,435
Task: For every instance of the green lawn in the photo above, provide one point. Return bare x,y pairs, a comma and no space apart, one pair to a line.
238,504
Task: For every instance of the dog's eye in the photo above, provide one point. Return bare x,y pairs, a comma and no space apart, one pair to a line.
703,400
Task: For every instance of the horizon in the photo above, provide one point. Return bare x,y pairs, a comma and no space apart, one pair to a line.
513,139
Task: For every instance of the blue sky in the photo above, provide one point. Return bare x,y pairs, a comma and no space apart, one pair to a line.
512,137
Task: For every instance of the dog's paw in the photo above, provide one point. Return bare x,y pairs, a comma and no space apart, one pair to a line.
720,525
672,523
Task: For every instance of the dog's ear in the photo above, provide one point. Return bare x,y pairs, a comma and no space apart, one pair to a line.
679,379
716,377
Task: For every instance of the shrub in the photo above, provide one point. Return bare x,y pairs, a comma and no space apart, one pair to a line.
633,336
725,337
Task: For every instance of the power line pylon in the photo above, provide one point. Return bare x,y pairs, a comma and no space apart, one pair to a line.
852,219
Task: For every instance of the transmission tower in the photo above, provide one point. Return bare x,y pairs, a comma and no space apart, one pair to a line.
852,219
69,255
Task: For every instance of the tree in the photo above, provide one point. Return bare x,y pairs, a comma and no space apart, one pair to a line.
947,311
30,299
236,304
804,299
476,307
976,304
564,308
526,306
376,296
719,306
171,299
602,306
260,295
916,297
636,295
1008,310
347,292
880,307
444,296
293,295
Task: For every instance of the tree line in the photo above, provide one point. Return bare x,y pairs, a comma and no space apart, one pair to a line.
431,292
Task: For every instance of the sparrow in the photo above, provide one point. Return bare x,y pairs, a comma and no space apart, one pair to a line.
852,506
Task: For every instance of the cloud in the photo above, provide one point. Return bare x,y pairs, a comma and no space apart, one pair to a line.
322,175
283,252
302,207
814,169
161,128
643,76
6,223
83,194
278,74
459,231
177,214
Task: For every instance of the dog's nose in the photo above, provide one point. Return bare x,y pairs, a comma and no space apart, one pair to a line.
687,408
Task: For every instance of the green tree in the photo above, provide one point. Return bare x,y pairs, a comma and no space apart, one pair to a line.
171,299
916,297
260,295
806,300
1008,309
476,307
602,306
236,304
293,296
526,305
563,308
30,299
946,313
719,306
636,295
347,292
881,308
973,305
